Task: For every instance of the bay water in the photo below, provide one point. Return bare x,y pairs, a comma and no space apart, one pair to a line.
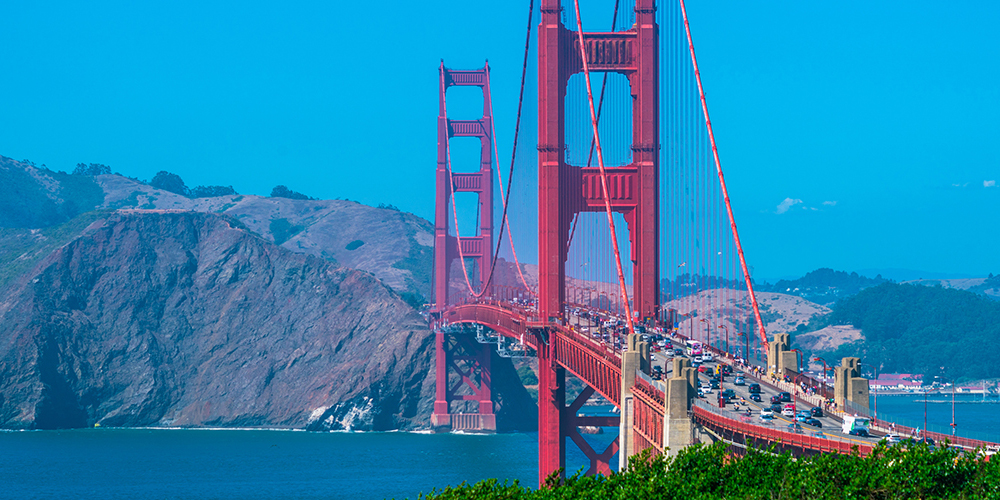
266,464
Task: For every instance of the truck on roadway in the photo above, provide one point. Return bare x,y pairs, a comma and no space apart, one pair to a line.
855,425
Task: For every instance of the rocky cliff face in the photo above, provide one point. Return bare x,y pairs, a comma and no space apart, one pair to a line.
188,319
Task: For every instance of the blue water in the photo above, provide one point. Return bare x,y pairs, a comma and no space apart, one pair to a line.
255,464
205,464
973,419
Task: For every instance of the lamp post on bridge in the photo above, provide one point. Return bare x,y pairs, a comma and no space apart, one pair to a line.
726,327
821,360
708,331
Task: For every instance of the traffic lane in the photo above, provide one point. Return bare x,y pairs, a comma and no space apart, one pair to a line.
831,427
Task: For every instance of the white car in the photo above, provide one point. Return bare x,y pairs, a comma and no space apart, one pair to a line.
766,414
788,412
891,438
706,390
706,356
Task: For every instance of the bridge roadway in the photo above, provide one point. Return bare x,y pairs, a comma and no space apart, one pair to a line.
597,363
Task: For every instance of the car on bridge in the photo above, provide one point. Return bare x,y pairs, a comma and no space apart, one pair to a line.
754,388
802,415
775,399
795,427
729,394
813,422
766,414
755,397
788,411
785,397
891,438
707,357
740,380
816,411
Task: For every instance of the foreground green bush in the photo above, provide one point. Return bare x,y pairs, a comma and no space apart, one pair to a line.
708,472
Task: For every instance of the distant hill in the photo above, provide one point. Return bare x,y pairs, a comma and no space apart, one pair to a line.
35,197
823,286
919,329
394,246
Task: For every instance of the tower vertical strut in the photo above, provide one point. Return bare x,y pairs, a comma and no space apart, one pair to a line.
564,189
454,353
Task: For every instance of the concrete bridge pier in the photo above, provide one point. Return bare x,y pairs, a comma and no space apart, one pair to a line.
781,360
678,428
849,385
633,359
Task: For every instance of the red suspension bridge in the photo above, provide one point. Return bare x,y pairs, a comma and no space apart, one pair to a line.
622,207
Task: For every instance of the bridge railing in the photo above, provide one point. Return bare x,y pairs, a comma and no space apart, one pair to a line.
718,419
913,429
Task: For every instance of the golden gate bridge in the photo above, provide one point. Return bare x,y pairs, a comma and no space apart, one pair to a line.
622,218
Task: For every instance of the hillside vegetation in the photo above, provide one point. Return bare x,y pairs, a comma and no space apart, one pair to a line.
823,286
38,197
920,329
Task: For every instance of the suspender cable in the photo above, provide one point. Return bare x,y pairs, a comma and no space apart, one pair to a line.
722,180
604,175
600,106
513,155
454,208
504,224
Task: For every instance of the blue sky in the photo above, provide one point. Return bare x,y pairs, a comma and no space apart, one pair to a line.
854,135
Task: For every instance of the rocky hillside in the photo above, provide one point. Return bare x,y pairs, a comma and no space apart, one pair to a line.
159,309
188,319
394,246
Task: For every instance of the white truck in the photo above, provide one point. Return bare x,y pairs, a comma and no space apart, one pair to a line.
855,425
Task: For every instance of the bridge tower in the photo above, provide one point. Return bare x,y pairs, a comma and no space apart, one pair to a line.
565,190
457,353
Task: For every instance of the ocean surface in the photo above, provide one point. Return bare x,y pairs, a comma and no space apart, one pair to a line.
259,464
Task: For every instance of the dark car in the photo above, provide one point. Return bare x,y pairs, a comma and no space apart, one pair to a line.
813,422
776,407
754,388
795,427
715,384
775,400
785,397
678,352
859,432
755,397
727,369
729,393
816,411
913,441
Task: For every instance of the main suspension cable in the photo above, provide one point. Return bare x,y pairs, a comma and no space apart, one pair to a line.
504,224
722,181
604,175
513,156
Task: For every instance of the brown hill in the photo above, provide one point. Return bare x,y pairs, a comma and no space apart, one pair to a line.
394,246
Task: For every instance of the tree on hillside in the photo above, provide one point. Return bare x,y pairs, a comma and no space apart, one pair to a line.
212,191
91,169
169,182
919,329
283,192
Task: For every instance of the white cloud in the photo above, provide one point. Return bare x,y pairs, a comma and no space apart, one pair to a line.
830,203
786,204
989,184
